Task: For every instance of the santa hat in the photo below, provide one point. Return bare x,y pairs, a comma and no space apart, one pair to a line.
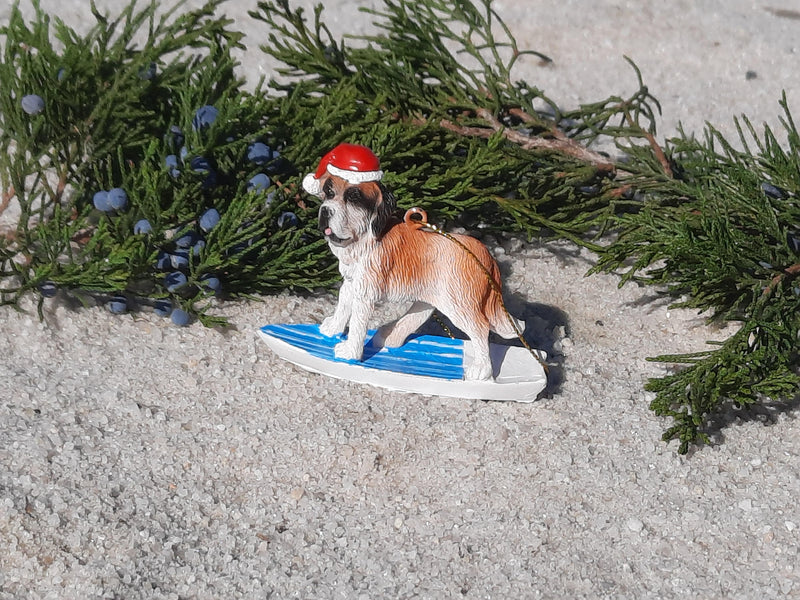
352,162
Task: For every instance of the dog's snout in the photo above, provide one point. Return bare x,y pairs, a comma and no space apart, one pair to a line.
325,213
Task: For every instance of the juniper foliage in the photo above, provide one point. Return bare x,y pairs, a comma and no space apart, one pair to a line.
117,101
723,237
713,227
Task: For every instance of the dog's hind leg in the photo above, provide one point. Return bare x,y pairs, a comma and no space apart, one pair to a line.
395,334
504,328
480,367
500,320
476,327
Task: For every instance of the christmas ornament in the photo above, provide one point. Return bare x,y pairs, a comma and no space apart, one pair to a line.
382,258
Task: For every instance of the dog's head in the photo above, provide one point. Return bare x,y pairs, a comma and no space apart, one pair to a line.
352,212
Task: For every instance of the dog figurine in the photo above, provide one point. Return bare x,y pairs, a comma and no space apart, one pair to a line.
384,258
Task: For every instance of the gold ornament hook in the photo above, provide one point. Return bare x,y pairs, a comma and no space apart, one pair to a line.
415,216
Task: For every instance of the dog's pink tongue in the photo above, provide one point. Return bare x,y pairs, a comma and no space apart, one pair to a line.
328,231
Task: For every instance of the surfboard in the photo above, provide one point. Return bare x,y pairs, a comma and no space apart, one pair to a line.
426,364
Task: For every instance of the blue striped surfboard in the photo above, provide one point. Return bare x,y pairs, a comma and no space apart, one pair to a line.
425,364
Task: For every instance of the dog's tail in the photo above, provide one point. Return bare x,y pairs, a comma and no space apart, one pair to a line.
500,320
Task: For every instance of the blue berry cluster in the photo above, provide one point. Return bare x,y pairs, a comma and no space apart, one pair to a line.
204,215
177,259
32,104
158,182
115,199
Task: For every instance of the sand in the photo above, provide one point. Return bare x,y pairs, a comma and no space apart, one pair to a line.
143,460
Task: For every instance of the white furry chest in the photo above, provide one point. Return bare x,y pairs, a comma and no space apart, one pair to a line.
352,272
355,270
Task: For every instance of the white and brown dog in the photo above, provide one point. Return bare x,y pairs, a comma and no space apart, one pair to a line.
384,258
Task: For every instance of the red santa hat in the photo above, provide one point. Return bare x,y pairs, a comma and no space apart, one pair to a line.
352,162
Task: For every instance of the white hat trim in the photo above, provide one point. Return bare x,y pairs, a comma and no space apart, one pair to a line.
355,176
312,186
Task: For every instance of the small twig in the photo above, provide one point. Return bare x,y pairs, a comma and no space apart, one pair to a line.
657,150
529,119
560,144
5,200
522,115
620,191
291,189
62,185
58,192
83,236
464,129
791,271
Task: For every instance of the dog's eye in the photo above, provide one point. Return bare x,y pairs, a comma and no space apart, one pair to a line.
353,195
328,190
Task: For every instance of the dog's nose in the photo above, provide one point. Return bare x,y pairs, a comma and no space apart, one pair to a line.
324,216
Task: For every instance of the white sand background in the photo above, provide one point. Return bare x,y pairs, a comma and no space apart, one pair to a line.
141,460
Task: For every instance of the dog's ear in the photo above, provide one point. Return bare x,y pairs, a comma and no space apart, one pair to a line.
375,198
384,210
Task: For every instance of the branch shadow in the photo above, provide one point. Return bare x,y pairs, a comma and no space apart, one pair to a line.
653,301
767,413
568,255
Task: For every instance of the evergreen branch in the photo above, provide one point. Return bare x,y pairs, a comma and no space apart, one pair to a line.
109,118
721,236
408,75
712,224
560,143
790,272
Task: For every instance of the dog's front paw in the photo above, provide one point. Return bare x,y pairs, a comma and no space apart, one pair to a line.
330,327
348,351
